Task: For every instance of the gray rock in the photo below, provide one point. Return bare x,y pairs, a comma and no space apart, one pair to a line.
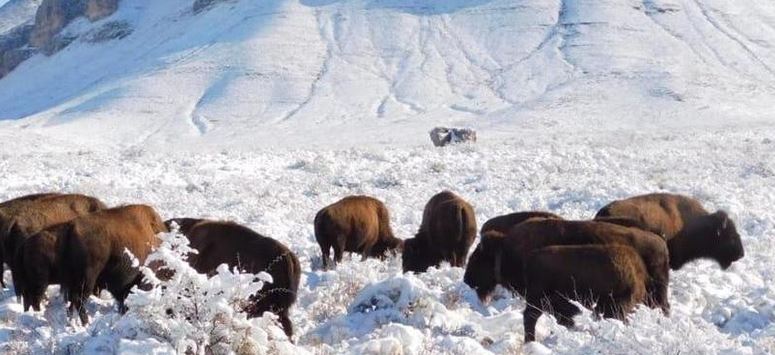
442,136
110,31
201,5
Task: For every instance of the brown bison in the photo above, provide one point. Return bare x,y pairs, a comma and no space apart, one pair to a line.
238,246
446,233
502,224
93,253
31,215
609,277
359,224
539,233
37,263
6,207
691,231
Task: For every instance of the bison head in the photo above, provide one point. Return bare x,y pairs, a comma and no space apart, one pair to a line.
415,256
480,273
728,247
387,246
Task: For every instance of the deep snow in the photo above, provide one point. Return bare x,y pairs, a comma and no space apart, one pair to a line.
370,307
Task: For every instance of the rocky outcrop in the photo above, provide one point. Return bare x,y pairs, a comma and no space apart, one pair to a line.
97,9
442,136
200,5
12,48
16,13
45,34
54,15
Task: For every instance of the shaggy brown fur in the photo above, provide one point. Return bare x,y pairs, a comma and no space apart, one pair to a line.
512,249
92,253
30,216
446,233
504,223
359,224
10,205
238,246
38,265
691,232
30,197
610,277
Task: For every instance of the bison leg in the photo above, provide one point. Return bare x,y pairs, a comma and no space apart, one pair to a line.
285,321
530,317
78,304
657,296
326,255
338,251
562,310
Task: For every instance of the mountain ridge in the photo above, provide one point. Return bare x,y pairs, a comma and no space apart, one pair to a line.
244,73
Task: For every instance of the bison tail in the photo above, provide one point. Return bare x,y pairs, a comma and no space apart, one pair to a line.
73,273
319,220
18,273
385,232
157,224
462,221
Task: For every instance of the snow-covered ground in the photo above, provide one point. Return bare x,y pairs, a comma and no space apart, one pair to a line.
370,307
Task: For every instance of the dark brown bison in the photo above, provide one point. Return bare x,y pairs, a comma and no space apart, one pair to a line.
359,224
610,278
184,224
29,216
691,231
5,208
446,233
539,233
502,224
238,246
93,253
37,264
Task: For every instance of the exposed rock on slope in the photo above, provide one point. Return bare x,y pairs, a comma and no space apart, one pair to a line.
16,13
25,39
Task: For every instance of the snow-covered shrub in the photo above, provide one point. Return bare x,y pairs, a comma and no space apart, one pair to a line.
197,314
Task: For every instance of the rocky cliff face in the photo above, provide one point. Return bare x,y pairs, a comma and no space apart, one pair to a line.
16,13
54,15
97,9
51,17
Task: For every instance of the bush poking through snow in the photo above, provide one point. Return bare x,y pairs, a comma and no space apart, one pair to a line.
197,314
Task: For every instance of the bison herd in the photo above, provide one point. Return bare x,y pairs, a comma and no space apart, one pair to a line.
620,258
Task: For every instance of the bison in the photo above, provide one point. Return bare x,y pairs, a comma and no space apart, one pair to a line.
539,233
31,215
93,253
447,230
609,277
37,263
359,224
5,207
691,231
220,242
502,224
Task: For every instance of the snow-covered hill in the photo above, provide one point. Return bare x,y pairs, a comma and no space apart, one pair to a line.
300,72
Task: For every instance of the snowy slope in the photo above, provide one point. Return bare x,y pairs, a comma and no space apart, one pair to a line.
16,12
255,73
370,307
